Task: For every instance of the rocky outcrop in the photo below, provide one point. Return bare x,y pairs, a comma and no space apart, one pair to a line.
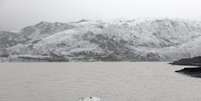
194,72
195,61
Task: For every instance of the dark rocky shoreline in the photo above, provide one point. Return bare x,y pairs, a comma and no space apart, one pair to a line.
193,72
190,71
195,61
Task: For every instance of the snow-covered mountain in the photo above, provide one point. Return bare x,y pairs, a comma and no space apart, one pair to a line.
123,40
8,39
43,29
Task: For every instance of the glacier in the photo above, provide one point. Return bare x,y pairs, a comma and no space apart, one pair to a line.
89,40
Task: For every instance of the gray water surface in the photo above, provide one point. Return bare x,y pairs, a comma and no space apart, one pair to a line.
123,81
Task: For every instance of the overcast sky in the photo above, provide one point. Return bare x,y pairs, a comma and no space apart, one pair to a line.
15,14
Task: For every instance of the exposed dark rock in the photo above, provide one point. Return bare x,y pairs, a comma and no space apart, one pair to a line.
194,72
196,61
42,58
4,52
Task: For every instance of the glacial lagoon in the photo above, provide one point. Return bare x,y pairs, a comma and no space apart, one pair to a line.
110,81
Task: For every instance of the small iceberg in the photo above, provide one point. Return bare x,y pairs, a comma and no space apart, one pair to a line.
90,99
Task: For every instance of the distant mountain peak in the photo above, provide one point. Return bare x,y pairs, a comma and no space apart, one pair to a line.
82,20
42,23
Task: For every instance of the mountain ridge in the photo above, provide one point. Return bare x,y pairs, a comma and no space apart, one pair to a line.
128,40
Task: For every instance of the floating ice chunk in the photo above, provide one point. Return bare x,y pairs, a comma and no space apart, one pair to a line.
90,99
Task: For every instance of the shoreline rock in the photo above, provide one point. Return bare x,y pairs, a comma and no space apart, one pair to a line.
195,61
193,72
190,71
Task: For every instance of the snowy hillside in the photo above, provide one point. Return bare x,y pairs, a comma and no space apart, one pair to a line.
123,40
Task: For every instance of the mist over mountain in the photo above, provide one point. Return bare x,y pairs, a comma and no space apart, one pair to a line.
86,40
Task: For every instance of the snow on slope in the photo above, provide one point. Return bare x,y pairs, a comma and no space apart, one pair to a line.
44,29
8,39
125,40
